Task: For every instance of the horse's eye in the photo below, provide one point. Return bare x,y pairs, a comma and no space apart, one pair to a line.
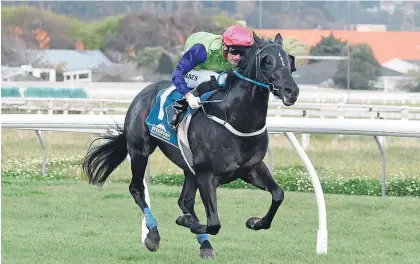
268,61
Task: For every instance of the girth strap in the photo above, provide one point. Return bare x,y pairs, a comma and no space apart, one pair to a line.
234,131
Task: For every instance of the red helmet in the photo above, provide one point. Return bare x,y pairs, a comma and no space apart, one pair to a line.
237,36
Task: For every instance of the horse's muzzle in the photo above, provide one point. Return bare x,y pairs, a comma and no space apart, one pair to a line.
289,97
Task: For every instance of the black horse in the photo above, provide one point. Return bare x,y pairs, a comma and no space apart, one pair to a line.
219,155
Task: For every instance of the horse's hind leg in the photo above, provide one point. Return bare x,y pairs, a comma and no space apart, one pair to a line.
261,177
138,166
186,202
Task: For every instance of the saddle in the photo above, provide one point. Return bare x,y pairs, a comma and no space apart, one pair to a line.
171,107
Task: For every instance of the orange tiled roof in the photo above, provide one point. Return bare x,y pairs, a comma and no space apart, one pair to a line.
385,45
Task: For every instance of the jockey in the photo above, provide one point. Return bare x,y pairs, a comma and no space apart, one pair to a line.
207,55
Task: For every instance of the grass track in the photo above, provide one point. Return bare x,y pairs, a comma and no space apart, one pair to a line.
71,222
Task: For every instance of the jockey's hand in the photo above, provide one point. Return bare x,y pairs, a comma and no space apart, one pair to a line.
231,77
192,100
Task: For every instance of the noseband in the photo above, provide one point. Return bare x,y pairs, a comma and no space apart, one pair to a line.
258,71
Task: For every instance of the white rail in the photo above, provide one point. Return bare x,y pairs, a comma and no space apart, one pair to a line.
276,108
312,93
99,123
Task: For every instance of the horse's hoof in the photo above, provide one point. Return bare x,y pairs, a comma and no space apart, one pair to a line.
207,254
184,220
151,245
206,251
254,223
152,240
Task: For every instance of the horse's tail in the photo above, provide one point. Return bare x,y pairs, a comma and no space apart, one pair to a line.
100,161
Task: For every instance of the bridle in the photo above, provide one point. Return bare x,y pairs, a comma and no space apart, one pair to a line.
258,71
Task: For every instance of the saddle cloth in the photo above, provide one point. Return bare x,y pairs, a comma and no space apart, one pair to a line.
159,118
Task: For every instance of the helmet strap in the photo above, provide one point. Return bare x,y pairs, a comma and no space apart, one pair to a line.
225,51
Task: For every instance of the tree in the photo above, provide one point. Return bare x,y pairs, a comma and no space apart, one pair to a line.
148,30
222,21
44,28
364,68
416,88
149,57
14,49
328,46
94,34
412,86
165,64
296,48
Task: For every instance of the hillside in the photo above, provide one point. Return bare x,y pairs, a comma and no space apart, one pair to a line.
396,15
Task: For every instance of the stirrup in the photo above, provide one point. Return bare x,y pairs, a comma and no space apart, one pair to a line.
174,123
176,118
179,107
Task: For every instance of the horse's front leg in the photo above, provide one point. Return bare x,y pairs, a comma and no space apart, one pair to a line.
261,177
207,187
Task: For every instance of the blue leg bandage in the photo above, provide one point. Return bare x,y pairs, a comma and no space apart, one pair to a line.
202,237
150,219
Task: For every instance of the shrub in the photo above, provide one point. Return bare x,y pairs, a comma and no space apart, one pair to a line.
55,92
295,179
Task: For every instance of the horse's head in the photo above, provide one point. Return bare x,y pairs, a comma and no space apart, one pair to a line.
274,66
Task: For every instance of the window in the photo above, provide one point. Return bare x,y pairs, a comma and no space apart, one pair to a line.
84,76
45,76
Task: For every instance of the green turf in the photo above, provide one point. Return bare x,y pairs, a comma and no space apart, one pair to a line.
72,222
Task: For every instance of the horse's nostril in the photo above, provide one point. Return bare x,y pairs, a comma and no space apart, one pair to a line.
287,91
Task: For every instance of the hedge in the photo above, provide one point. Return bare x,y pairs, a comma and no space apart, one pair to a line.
10,92
55,92
301,183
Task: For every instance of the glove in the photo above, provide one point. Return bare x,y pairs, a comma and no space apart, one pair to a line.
193,101
230,78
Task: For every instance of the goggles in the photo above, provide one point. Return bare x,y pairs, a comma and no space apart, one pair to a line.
236,51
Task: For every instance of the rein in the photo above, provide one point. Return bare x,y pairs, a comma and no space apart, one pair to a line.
266,83
251,81
263,84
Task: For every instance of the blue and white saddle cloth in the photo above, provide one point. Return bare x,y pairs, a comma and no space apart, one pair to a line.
162,112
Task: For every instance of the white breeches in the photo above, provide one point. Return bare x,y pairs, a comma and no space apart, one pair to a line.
194,77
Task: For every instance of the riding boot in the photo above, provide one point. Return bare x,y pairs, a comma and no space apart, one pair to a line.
178,108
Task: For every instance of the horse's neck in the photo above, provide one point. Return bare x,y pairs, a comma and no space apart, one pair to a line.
247,106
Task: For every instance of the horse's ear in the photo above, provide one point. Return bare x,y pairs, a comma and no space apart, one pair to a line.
278,39
292,64
257,39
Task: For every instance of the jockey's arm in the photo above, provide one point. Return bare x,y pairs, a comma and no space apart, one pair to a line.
195,55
